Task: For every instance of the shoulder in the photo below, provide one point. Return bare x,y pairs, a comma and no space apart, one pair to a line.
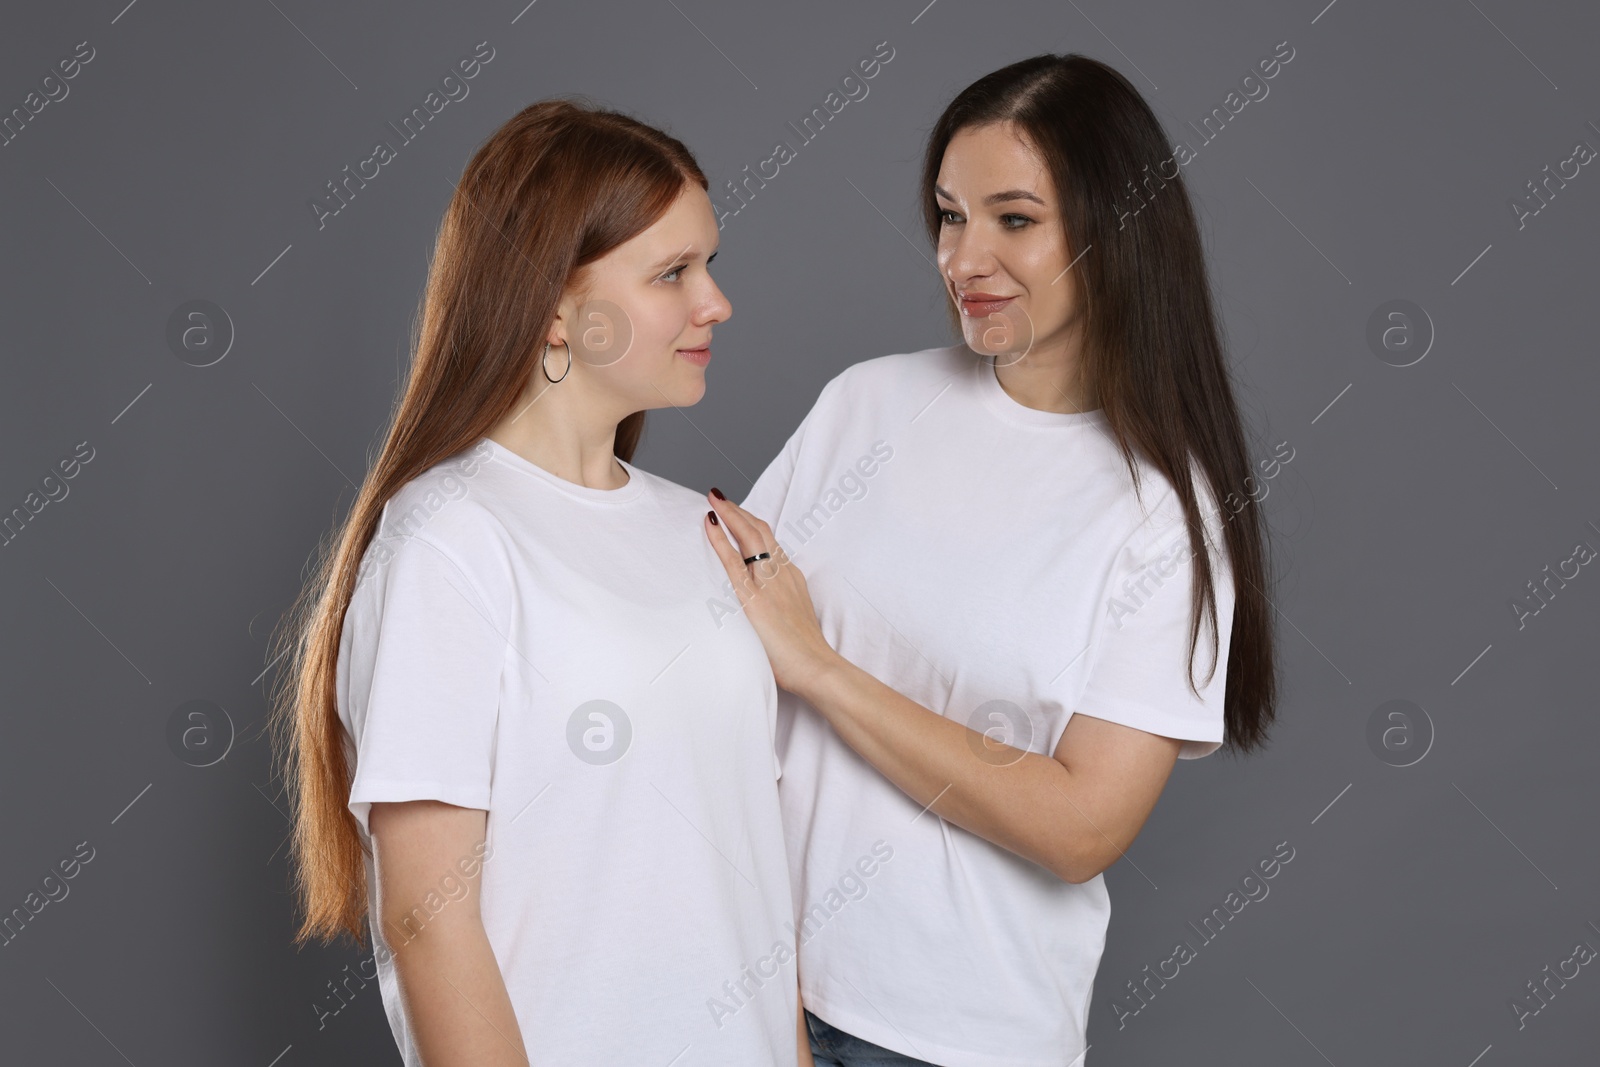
448,513
450,504
900,368
1155,514
899,377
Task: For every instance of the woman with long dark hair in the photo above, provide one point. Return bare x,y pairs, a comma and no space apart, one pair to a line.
518,746
982,573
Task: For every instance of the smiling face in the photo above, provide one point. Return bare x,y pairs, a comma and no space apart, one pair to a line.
1001,236
641,330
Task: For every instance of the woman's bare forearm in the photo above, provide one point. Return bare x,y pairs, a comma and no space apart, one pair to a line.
803,1034
456,999
1023,802
450,982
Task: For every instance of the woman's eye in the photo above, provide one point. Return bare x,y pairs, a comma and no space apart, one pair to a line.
1024,220
943,217
675,270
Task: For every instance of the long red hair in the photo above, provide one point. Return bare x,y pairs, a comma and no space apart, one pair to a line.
551,191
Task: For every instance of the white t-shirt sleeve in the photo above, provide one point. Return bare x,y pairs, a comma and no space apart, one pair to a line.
766,498
1139,674
765,502
425,658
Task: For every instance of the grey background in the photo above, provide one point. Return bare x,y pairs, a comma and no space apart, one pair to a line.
1420,501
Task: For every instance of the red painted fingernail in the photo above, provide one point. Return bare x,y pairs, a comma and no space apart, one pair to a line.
717,493
714,521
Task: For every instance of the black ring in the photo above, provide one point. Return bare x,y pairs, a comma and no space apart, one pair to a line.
759,555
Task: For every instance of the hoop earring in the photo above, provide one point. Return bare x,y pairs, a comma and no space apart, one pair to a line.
546,369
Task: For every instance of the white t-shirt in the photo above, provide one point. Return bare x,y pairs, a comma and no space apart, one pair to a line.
549,652
991,562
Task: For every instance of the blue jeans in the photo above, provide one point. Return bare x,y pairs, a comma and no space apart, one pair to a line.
832,1047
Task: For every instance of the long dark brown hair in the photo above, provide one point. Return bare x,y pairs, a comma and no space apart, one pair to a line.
551,191
1151,346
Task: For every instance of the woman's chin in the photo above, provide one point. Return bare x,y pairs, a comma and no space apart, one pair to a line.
685,391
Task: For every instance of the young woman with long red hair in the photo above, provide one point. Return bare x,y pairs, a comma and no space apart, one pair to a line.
519,747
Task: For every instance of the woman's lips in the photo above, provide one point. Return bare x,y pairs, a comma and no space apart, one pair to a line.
981,307
698,356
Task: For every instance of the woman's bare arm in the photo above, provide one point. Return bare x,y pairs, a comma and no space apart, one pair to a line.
454,994
1072,812
804,1035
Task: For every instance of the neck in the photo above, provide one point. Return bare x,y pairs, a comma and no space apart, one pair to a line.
1047,378
571,435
